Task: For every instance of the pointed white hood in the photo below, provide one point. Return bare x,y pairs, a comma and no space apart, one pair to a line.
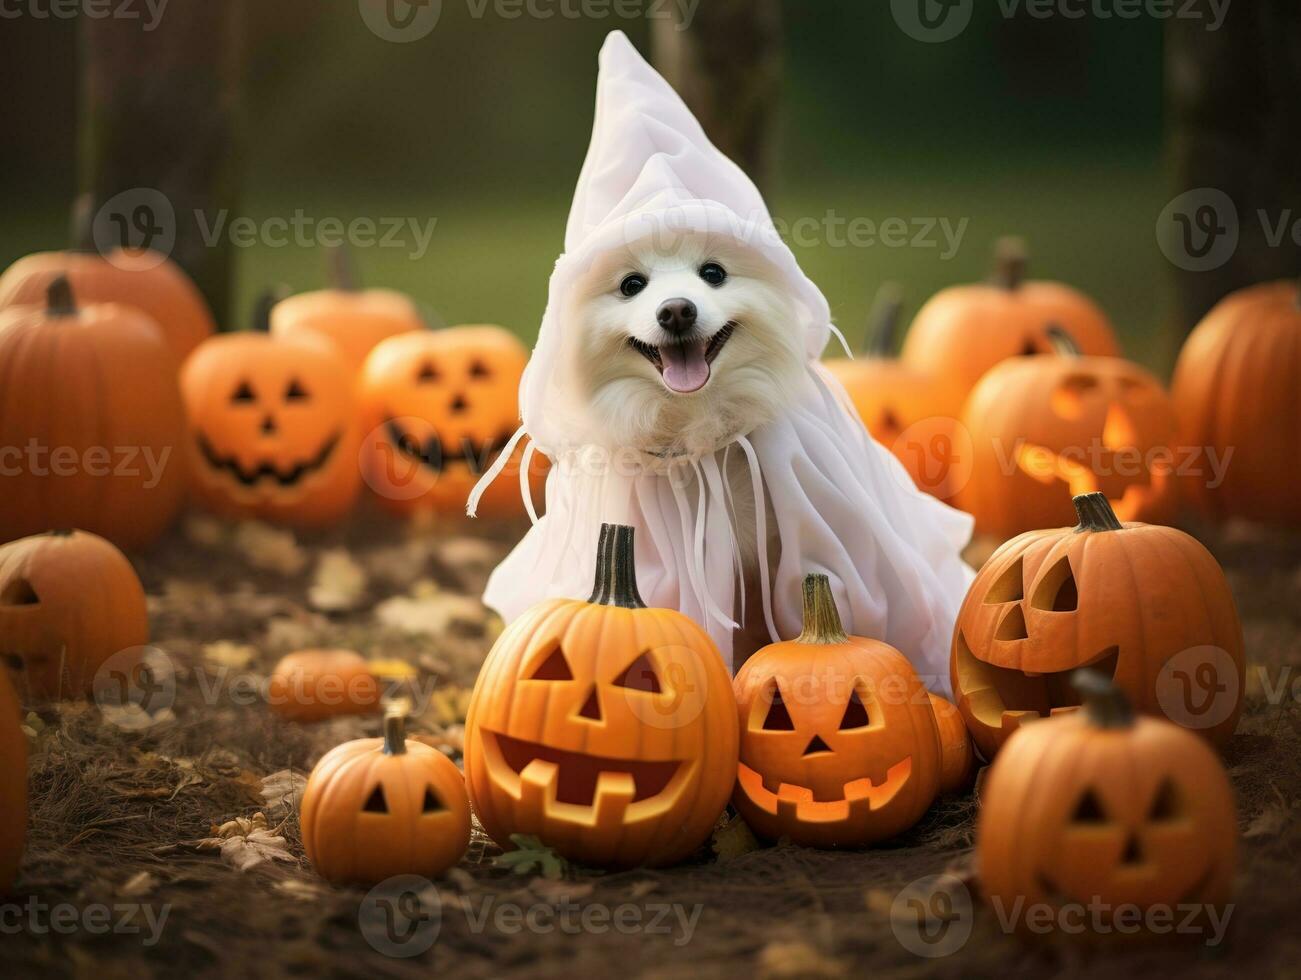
844,506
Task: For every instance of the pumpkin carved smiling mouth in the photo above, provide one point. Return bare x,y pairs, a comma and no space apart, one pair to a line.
578,779
266,470
800,799
477,456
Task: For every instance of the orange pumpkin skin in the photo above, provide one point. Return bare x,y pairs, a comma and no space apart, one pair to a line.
13,785
605,728
438,406
1045,429
94,389
68,601
839,746
957,757
963,331
274,430
352,321
313,685
139,278
1097,807
1235,390
380,807
1124,599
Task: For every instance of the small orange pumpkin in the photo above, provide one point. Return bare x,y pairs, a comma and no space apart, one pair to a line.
957,758
1100,811
1045,429
839,745
380,807
69,600
1235,391
274,429
439,406
351,320
605,728
1146,605
897,403
964,331
13,785
91,419
313,685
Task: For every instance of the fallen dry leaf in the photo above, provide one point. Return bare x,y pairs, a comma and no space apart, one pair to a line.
1268,822
223,653
269,548
339,583
430,610
246,842
306,891
138,885
283,791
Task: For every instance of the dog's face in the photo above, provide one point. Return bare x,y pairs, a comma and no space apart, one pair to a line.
682,350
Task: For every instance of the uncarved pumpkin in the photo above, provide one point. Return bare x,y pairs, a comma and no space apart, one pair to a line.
274,432
1099,810
964,331
839,746
91,391
1125,599
1237,391
313,685
957,757
379,807
605,728
13,785
69,601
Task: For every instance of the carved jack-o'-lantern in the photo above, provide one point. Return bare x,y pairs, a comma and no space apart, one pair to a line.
439,406
274,430
839,745
13,785
380,807
69,600
964,331
1145,605
1046,429
603,727
1100,810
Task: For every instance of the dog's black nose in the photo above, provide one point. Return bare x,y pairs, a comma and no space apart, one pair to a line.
677,316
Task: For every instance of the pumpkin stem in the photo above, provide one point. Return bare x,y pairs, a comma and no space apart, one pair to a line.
616,572
395,730
269,297
1104,703
1064,344
883,323
58,297
1095,513
1010,261
342,273
821,618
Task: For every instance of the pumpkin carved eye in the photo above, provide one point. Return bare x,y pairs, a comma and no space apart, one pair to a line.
855,714
1166,805
778,718
19,592
554,668
640,676
295,392
432,803
427,374
1068,399
479,370
1057,591
243,394
1008,588
377,802
1089,810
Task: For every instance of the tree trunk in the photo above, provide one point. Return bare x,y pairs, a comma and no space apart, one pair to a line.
158,134
1234,98
726,63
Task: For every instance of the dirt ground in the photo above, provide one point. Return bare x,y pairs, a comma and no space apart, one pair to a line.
116,810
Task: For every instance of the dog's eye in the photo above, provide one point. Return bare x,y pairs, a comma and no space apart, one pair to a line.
632,284
713,273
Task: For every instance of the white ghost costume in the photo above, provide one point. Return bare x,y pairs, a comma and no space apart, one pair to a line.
844,506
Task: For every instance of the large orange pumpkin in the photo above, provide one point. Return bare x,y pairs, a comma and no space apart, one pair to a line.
1045,429
274,429
839,746
69,601
91,421
380,807
350,319
605,728
964,331
1146,605
1237,391
140,278
1100,812
900,404
438,407
13,785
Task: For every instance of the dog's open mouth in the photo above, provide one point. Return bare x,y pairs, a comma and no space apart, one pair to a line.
685,366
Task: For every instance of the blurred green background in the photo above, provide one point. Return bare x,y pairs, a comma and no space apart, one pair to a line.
1048,128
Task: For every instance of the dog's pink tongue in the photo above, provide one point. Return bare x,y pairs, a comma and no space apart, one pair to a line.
685,367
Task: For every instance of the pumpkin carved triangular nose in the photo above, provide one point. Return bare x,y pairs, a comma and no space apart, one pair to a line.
591,708
816,745
1133,851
